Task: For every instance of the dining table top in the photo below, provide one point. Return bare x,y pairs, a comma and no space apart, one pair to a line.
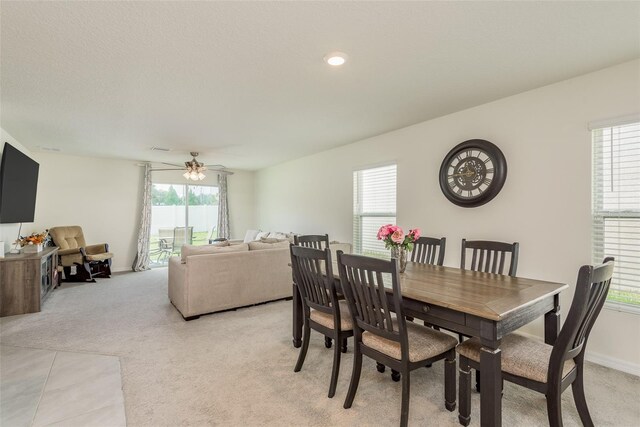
486,295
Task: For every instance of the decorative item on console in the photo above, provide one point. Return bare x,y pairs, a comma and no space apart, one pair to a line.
33,243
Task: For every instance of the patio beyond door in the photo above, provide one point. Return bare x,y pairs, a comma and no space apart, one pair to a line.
181,214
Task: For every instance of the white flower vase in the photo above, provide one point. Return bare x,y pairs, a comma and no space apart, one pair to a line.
32,249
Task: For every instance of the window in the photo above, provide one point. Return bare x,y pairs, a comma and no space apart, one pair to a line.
374,205
616,209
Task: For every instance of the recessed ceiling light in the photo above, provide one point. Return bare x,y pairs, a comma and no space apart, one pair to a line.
336,58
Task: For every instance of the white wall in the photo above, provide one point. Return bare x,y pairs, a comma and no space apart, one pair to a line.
100,195
9,232
545,203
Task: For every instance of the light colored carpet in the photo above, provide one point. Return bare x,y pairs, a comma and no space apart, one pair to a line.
236,368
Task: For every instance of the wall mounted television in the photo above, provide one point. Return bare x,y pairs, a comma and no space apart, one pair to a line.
18,186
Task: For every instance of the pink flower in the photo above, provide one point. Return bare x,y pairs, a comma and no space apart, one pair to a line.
415,233
384,232
397,236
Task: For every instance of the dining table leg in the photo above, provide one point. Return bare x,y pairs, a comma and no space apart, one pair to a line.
297,317
552,322
490,384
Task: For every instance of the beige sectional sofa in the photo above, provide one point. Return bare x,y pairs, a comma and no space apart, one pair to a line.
235,276
209,279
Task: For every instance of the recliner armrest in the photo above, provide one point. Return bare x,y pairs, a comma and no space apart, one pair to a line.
69,251
97,249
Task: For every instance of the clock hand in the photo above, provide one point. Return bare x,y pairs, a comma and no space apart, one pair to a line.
468,173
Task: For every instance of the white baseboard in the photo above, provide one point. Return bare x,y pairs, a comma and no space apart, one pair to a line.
613,363
601,359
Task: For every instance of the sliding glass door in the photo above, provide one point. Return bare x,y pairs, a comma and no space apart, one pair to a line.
181,214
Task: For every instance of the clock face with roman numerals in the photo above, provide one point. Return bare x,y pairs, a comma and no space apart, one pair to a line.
473,173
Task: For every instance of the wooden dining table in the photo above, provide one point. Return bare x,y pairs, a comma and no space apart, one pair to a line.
484,305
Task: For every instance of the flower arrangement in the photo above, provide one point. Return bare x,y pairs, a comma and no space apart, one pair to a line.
394,237
33,239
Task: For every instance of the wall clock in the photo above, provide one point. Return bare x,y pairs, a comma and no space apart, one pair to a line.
473,173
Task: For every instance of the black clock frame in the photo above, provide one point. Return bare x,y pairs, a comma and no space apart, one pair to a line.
499,177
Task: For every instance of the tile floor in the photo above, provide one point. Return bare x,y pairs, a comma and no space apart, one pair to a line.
54,388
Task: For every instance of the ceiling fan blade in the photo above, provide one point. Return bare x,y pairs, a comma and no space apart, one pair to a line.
172,164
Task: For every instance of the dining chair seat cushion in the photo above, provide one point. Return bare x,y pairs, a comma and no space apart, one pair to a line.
424,342
326,319
521,356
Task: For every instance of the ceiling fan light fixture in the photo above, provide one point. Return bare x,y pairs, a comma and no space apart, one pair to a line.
194,169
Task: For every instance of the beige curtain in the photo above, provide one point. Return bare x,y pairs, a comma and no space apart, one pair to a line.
223,207
141,262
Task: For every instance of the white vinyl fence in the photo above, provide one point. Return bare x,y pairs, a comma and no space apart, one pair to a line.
201,218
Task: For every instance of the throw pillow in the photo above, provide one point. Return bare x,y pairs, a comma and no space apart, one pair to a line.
250,235
271,240
261,234
278,235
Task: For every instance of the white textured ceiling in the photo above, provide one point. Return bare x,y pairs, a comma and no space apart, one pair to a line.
244,82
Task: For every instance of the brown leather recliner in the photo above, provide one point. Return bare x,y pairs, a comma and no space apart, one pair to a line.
89,261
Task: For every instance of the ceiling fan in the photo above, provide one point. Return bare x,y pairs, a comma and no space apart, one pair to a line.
194,170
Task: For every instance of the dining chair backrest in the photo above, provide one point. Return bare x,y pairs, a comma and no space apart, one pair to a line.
591,293
429,250
490,257
315,241
363,284
313,274
181,236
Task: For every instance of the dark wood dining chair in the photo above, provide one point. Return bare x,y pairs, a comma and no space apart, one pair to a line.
323,312
388,339
490,257
429,250
541,367
315,241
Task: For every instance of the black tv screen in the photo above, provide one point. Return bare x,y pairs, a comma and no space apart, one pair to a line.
18,186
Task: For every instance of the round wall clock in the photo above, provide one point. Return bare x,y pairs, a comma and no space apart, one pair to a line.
473,173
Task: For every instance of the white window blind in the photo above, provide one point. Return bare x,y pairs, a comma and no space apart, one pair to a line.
616,209
374,205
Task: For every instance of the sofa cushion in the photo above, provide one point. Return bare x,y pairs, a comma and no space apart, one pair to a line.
250,235
254,246
188,250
